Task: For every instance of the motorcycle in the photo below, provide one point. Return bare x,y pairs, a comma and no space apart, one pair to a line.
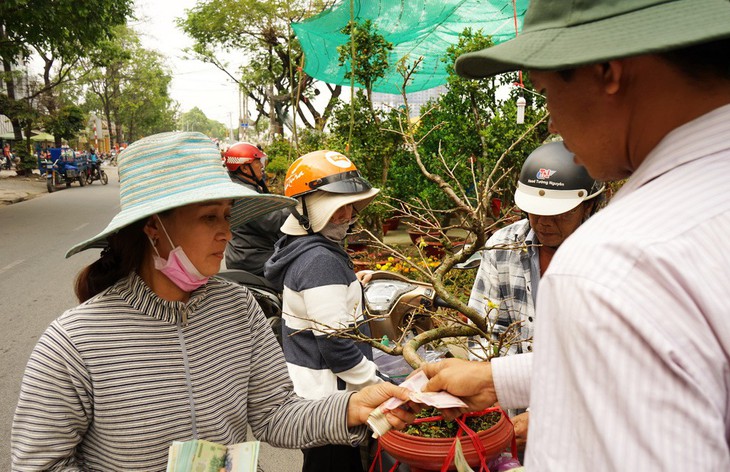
398,307
396,303
95,172
263,291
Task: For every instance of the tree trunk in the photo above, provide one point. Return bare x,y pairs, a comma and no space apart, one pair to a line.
334,96
10,86
118,134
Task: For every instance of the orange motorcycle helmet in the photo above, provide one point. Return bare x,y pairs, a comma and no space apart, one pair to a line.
328,171
240,154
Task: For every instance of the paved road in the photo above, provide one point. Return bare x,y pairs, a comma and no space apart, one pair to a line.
36,285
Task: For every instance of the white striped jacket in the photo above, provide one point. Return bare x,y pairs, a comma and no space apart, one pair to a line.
112,382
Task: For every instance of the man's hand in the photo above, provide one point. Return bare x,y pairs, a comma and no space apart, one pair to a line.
520,422
469,380
369,398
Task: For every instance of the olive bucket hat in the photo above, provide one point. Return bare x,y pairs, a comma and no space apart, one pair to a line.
563,34
170,170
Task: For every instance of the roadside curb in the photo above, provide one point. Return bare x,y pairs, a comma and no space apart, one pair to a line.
8,197
15,189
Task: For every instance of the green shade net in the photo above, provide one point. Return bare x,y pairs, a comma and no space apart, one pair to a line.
415,27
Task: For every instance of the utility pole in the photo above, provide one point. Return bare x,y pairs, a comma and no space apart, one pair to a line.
240,114
243,106
272,113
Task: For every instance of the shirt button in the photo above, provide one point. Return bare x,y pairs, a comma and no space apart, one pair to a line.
529,348
530,319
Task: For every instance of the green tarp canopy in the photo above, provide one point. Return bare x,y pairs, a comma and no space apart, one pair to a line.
42,137
415,27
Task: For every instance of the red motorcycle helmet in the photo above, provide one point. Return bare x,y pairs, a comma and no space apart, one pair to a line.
241,153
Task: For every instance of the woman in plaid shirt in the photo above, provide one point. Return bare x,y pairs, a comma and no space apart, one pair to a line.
558,196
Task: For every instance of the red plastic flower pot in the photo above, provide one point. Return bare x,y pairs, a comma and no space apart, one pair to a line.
429,454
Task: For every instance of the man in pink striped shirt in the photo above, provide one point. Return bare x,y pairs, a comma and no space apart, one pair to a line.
631,367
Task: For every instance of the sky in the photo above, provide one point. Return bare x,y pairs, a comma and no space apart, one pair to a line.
194,83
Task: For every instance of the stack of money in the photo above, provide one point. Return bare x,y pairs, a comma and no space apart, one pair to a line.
378,423
197,454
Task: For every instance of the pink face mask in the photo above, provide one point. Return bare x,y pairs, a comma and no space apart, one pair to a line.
178,267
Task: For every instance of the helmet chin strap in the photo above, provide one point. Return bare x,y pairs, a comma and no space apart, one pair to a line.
303,219
251,178
262,183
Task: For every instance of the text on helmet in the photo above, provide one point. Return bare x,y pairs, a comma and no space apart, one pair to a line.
337,159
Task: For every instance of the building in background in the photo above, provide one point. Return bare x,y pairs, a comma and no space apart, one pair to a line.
387,101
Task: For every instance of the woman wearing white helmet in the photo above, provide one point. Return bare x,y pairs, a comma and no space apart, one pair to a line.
557,195
320,290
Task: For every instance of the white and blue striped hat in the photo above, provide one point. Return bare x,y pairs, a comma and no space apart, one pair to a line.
170,170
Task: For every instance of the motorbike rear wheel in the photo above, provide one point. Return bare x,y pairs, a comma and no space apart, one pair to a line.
104,177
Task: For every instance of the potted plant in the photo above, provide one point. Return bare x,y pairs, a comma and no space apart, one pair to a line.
429,444
390,224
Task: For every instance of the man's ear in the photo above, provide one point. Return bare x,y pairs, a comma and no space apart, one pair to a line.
611,74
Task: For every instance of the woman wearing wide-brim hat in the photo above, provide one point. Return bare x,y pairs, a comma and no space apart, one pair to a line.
160,350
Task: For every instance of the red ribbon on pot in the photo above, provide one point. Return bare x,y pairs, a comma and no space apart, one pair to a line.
478,446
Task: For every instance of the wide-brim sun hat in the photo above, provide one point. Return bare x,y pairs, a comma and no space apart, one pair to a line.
170,170
569,33
322,205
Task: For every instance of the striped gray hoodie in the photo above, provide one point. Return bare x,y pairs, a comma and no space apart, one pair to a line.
320,294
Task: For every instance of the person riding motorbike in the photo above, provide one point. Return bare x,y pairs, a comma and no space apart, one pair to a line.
321,293
252,244
93,164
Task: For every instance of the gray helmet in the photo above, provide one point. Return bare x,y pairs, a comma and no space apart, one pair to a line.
552,183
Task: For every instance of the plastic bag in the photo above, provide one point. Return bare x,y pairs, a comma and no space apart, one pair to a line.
396,368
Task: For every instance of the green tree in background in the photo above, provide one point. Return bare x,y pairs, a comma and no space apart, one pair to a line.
129,85
195,120
102,74
23,115
65,123
60,32
357,127
363,130
471,125
272,77
366,55
145,106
